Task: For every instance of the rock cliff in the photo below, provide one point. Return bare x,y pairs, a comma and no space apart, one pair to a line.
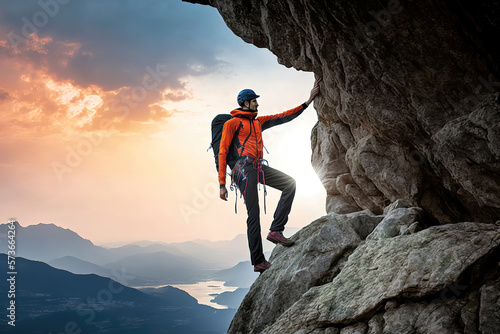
396,279
407,145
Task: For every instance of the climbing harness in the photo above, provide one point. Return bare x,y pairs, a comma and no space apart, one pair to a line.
238,175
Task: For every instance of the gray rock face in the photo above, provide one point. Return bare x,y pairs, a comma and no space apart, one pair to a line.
409,131
409,105
398,222
319,254
443,279
489,317
409,266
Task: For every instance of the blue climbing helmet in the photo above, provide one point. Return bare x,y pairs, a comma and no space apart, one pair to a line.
246,94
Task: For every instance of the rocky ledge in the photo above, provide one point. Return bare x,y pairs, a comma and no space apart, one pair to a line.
402,277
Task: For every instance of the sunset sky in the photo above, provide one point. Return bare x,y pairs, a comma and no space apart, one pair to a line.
105,111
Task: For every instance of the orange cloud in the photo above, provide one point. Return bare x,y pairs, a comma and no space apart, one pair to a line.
38,103
37,44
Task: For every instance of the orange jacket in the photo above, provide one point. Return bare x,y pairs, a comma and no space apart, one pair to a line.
251,127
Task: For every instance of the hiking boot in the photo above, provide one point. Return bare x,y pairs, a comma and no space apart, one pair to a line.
278,238
261,266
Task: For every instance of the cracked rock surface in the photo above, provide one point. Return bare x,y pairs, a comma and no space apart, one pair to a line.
319,254
407,146
414,267
442,279
409,104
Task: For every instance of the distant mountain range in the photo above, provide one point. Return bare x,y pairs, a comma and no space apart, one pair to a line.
148,263
171,295
93,289
161,265
231,299
46,242
241,275
77,266
48,299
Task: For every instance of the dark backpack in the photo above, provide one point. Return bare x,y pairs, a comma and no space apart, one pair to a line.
217,126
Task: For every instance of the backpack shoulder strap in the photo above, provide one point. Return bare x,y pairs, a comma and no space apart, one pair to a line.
246,139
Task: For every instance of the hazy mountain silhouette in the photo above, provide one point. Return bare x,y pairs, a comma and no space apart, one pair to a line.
47,299
118,253
171,295
231,299
241,275
164,267
222,254
46,242
77,266
153,264
149,263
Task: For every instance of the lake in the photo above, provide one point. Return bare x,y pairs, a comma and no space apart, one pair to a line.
202,291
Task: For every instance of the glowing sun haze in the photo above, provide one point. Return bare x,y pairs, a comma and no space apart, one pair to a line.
105,115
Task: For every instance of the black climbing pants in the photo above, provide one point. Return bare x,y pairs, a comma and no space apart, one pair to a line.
247,176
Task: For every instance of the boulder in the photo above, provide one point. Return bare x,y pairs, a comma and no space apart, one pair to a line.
438,265
319,254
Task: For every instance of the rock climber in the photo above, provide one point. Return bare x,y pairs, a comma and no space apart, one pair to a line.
250,169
